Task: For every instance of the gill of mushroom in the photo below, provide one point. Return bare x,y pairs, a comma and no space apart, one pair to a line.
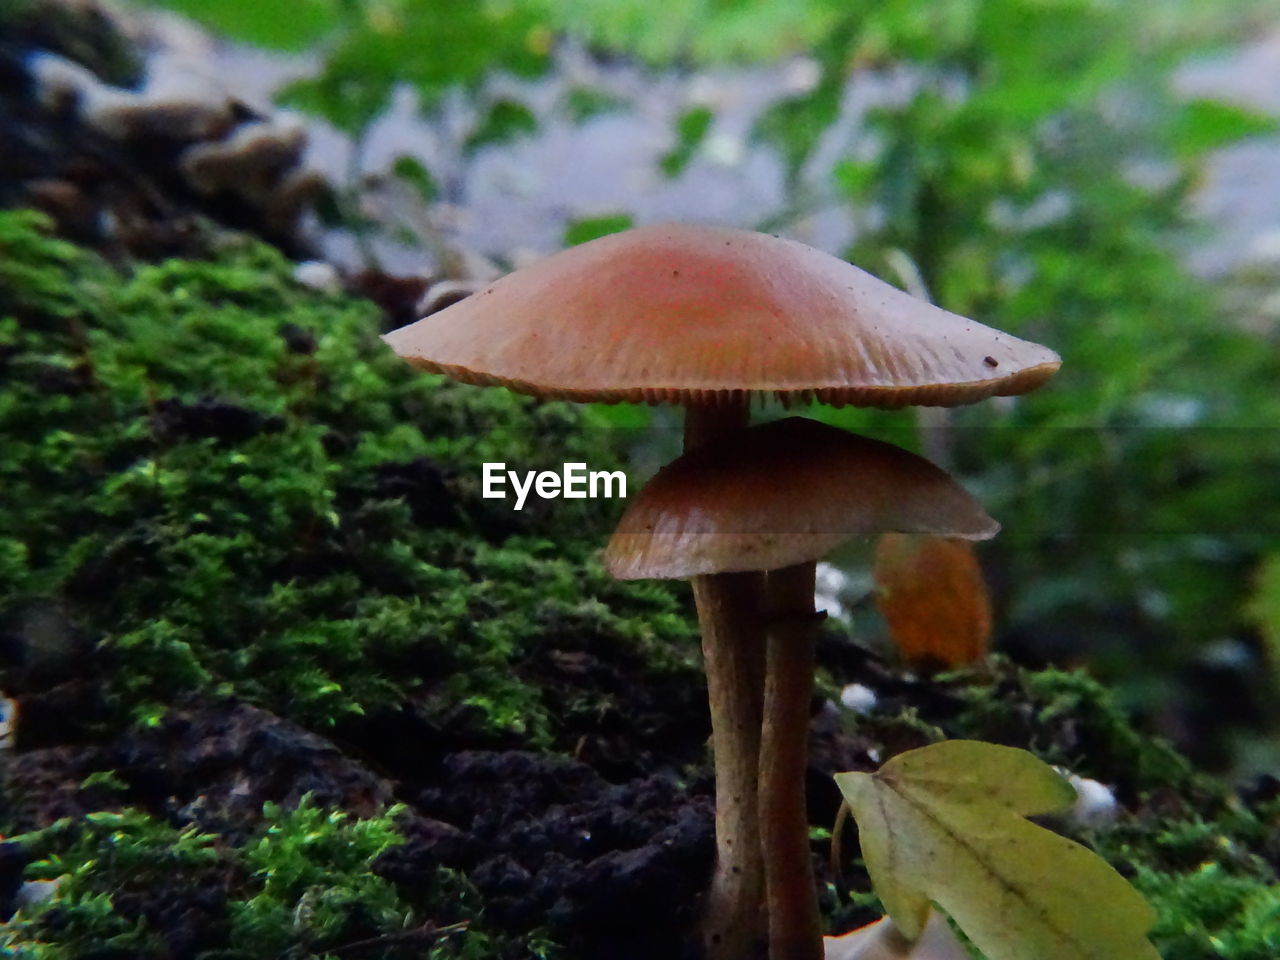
708,318
777,498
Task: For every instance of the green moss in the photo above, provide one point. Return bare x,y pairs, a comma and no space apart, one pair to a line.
303,886
195,467
1212,914
196,471
1068,719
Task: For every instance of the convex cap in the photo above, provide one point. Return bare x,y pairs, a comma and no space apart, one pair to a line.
694,314
779,494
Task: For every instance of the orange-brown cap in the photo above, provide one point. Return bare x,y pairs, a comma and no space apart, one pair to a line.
931,593
783,493
695,314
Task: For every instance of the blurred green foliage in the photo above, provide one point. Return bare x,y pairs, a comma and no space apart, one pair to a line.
1037,175
691,129
1264,609
592,228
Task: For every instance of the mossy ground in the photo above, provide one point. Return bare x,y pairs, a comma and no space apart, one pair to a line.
226,482
224,498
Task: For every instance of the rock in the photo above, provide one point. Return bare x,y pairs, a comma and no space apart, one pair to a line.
290,198
246,163
213,764
428,844
130,169
617,891
398,296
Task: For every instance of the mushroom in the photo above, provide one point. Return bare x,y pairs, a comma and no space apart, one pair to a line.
708,317
776,498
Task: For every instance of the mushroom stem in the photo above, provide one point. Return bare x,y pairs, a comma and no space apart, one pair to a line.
735,924
795,931
708,422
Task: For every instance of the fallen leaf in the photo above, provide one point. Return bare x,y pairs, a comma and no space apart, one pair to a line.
946,824
883,941
931,593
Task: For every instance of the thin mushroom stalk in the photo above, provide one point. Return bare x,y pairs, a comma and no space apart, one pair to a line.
735,923
791,627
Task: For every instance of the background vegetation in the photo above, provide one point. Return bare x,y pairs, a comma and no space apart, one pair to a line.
1035,174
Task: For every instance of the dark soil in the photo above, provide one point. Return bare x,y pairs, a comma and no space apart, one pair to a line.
547,841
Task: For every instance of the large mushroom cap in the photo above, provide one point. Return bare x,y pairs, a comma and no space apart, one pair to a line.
779,494
695,314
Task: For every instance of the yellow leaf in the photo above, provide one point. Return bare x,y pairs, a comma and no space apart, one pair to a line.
946,824
931,593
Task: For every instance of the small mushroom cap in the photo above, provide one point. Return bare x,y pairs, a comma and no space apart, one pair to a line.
783,493
694,314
